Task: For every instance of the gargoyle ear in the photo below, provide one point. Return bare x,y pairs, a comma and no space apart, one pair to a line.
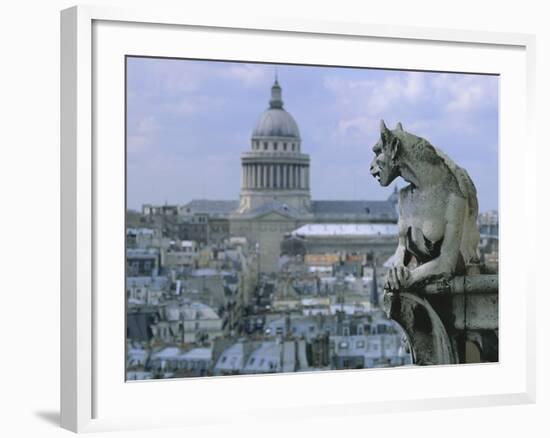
394,147
384,132
399,126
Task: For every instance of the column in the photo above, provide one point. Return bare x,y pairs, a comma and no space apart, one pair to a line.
307,177
288,176
264,176
291,176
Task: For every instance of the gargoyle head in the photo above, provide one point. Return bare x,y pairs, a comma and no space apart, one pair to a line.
384,166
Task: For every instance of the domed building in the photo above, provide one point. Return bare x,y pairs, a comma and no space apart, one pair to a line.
275,198
275,169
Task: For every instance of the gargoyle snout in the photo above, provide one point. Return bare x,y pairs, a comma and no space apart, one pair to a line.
374,168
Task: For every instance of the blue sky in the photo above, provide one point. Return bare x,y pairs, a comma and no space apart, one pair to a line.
188,121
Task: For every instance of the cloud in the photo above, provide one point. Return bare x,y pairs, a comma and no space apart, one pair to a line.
361,103
425,102
175,76
147,125
194,104
141,136
357,125
250,75
374,97
138,143
465,93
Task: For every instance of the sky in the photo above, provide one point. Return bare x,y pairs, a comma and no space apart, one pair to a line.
188,121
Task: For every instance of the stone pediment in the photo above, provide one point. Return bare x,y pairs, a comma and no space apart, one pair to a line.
273,216
270,211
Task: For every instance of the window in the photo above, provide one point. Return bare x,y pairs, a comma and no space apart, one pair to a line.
360,344
343,345
284,146
134,268
251,361
265,145
293,146
275,146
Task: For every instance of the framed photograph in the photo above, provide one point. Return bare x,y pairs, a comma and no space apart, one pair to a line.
257,208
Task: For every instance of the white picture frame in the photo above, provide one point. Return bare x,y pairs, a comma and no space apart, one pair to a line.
94,397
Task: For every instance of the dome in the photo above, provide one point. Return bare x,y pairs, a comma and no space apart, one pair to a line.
275,121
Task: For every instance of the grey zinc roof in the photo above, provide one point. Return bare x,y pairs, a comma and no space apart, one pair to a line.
211,206
378,209
376,229
374,209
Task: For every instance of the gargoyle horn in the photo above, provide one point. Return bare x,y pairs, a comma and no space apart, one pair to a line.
383,128
399,126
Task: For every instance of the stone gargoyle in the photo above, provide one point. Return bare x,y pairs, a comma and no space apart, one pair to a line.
438,209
